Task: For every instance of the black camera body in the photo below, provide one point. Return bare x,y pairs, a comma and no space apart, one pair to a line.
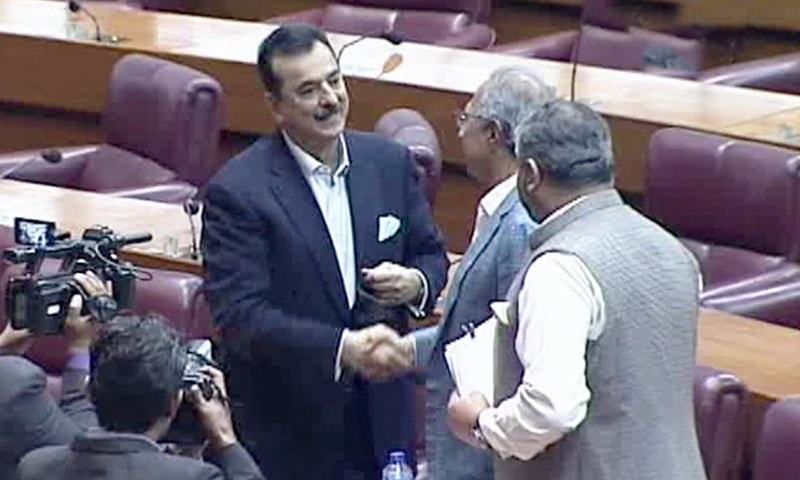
40,302
186,428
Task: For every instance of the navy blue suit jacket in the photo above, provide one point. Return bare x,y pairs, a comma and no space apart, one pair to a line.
275,290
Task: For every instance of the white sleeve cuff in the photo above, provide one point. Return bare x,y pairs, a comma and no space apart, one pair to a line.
418,310
337,369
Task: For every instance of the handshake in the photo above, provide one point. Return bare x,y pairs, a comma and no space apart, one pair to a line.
378,353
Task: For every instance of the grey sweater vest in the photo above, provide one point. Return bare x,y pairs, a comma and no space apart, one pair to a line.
640,419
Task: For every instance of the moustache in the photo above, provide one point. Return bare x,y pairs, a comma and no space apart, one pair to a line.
326,113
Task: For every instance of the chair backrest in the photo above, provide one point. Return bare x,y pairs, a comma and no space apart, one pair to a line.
603,14
720,400
167,112
779,74
411,129
638,49
778,448
477,10
412,25
724,191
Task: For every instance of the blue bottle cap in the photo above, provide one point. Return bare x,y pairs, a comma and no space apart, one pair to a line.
398,456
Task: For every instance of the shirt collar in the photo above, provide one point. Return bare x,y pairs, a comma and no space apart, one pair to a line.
492,200
562,209
310,165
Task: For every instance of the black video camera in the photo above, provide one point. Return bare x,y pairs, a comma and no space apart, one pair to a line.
40,302
186,427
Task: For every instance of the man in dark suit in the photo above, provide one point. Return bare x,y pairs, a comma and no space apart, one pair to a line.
29,416
138,366
317,242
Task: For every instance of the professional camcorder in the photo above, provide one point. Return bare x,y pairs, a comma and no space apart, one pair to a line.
40,302
186,428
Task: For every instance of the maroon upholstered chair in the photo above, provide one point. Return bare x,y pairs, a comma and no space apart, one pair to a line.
411,129
778,449
736,206
779,74
453,23
630,49
720,400
162,124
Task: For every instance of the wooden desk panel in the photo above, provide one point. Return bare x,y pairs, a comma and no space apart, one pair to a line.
74,211
782,127
765,356
73,76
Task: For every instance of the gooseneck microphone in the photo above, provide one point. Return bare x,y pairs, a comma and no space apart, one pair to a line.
575,52
49,156
390,37
191,206
77,7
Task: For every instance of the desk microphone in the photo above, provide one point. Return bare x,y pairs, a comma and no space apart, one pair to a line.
390,37
576,51
49,156
191,206
77,7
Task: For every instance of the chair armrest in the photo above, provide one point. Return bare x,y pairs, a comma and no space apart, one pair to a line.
311,17
557,46
476,37
175,191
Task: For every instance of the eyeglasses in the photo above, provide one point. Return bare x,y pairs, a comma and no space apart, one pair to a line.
462,117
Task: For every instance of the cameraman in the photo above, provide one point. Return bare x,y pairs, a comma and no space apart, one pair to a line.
29,417
136,387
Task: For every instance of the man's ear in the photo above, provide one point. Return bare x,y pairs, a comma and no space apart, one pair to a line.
176,403
272,100
530,175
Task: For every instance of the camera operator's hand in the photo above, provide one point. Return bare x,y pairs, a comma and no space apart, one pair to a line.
80,330
215,414
15,342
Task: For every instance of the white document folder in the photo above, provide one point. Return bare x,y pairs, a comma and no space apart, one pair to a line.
470,358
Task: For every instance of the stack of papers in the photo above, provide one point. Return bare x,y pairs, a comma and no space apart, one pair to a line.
470,358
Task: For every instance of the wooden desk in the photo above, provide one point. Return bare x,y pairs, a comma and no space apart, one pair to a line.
74,211
782,127
72,77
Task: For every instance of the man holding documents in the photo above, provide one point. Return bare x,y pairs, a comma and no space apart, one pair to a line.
317,242
499,248
594,354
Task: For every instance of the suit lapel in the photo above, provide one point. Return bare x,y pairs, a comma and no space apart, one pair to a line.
473,253
295,196
364,192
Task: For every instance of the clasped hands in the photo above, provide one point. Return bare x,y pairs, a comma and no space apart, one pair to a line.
377,353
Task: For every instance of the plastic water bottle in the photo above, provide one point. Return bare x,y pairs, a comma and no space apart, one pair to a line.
397,468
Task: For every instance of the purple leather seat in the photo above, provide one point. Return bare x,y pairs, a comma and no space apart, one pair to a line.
778,448
630,49
779,74
177,296
736,206
453,23
162,124
719,405
411,129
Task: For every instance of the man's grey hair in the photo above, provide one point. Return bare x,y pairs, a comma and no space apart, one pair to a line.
570,142
507,95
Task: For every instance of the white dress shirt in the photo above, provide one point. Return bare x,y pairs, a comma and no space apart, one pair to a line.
560,308
329,187
490,202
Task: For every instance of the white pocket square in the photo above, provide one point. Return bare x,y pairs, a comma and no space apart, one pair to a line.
388,225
